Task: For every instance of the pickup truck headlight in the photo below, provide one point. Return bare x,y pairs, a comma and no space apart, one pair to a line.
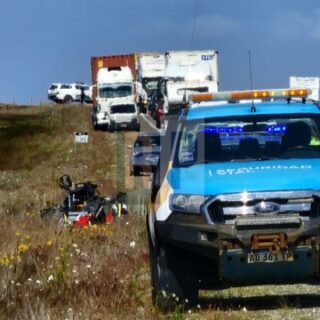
187,203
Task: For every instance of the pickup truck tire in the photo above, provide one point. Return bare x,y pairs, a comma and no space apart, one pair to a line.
67,99
173,279
138,127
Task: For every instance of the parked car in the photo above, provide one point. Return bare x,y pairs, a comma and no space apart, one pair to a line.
145,153
69,92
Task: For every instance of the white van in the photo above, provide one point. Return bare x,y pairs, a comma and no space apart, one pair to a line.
123,115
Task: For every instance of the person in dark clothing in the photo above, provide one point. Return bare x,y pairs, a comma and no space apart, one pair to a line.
82,96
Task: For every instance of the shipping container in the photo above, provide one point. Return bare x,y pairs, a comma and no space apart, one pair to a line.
111,61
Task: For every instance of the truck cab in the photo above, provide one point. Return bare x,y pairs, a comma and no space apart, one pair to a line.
150,70
113,84
187,72
235,198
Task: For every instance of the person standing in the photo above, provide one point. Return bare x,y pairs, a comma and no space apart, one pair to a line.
82,95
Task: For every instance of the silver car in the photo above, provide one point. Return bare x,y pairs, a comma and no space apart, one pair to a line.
145,153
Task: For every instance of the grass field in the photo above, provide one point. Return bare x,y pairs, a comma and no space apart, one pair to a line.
102,272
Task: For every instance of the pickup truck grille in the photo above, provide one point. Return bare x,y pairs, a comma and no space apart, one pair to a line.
229,208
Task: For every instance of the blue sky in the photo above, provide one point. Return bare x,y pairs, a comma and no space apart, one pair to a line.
45,41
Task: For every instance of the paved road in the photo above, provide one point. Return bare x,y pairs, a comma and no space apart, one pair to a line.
147,123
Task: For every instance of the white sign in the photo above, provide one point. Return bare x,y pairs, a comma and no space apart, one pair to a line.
312,83
81,137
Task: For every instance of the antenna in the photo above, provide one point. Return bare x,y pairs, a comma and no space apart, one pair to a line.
253,107
194,22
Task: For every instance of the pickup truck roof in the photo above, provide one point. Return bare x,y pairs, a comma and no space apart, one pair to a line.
240,109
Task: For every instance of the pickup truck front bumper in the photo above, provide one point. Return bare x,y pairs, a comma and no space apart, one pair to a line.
230,245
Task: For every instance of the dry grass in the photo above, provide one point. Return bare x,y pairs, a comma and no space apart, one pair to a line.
49,272
52,273
96,273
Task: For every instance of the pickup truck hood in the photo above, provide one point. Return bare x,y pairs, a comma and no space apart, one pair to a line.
123,117
234,177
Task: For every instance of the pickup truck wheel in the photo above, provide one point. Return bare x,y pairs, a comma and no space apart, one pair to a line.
173,279
67,99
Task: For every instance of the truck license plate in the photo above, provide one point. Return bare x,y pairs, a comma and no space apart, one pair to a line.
267,257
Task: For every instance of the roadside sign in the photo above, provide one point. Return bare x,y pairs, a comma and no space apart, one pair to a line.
312,83
81,137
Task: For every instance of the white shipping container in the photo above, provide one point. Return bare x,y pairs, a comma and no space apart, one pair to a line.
189,72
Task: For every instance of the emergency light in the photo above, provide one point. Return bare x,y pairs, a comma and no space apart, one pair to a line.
248,95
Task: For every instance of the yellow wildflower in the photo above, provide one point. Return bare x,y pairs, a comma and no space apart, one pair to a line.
22,248
4,261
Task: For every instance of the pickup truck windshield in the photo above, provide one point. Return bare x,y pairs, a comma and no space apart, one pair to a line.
148,141
115,90
248,138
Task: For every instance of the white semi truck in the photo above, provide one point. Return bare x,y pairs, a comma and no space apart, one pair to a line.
114,84
187,72
150,69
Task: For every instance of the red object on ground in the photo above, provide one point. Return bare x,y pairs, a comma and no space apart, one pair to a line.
109,217
83,221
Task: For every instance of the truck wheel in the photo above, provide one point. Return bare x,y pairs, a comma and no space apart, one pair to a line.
136,171
110,128
143,109
173,278
95,124
67,99
138,127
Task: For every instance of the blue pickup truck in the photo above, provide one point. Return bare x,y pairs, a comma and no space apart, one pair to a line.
236,195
